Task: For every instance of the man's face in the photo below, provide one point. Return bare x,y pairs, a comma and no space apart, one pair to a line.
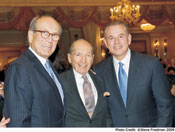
44,47
81,57
117,41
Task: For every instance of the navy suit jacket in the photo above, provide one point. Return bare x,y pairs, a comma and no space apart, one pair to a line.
149,101
76,114
31,97
1,106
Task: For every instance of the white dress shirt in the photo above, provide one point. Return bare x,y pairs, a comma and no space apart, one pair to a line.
43,61
125,61
79,82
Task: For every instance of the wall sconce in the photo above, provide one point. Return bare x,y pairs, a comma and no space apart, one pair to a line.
103,54
147,27
165,44
102,40
156,48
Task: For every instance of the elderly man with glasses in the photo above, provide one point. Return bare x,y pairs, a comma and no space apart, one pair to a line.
33,93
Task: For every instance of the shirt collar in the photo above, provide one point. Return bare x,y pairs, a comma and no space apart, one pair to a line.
42,60
124,60
78,75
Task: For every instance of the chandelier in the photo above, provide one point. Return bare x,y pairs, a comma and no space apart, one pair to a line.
125,12
147,27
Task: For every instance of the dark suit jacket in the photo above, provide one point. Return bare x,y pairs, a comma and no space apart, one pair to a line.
148,95
1,107
76,114
31,97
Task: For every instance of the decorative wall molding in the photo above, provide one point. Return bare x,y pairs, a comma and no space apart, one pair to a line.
19,3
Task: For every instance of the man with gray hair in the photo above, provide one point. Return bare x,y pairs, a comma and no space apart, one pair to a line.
139,91
33,93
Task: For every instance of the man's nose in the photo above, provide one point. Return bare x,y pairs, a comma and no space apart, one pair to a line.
49,39
116,40
83,58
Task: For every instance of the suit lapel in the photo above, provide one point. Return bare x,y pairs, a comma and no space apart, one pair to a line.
39,67
132,78
56,74
73,92
99,92
114,87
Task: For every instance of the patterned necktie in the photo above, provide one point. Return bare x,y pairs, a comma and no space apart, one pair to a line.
49,70
88,96
123,81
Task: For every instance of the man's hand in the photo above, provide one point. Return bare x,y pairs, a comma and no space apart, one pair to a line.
4,122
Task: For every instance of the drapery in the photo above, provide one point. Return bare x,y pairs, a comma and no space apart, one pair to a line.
90,32
19,17
89,19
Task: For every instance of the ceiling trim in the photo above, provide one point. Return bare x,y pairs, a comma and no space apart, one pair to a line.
20,3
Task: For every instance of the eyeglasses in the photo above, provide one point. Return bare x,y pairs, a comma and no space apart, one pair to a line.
46,34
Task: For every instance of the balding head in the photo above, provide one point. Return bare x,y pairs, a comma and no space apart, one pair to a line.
80,42
81,56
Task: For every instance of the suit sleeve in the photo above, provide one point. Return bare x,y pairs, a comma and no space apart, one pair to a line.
162,95
17,104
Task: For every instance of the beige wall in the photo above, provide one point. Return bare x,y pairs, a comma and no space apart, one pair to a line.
12,44
13,37
171,42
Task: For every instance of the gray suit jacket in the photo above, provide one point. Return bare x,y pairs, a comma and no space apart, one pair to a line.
31,97
148,95
76,114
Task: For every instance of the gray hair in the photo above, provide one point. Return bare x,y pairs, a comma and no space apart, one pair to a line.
72,46
32,25
114,24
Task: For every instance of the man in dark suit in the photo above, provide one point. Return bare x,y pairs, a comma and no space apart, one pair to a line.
1,106
1,99
144,99
33,94
77,114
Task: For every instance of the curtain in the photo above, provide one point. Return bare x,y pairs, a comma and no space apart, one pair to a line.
91,34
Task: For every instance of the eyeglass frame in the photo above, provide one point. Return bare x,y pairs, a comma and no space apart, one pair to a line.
48,34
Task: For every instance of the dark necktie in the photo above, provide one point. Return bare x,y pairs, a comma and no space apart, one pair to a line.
123,80
88,96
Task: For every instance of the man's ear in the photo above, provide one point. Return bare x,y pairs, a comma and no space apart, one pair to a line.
129,39
30,36
69,58
93,57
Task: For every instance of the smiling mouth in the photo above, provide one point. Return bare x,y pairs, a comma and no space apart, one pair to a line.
49,47
117,47
82,66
